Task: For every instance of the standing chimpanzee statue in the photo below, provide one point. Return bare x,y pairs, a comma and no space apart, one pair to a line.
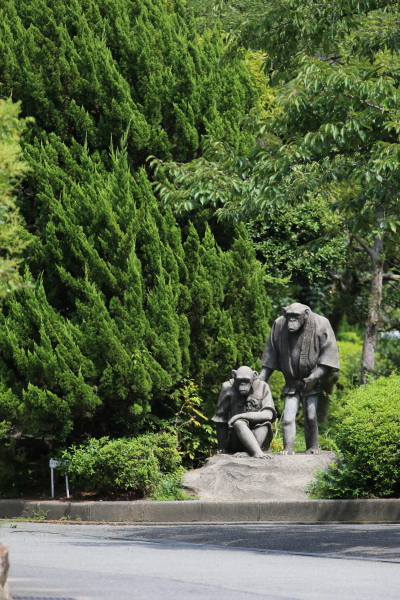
303,346
244,415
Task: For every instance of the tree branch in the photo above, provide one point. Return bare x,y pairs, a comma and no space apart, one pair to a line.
365,246
394,327
387,277
381,108
331,154
331,59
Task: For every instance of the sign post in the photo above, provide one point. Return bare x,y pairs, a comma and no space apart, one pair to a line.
53,464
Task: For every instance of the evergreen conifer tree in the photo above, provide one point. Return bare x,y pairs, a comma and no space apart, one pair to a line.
229,312
88,70
245,298
12,168
122,310
109,274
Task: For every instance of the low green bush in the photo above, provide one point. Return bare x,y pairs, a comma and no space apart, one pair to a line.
148,465
368,437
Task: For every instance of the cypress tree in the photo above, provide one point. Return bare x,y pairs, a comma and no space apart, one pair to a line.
113,278
229,310
12,168
246,299
87,70
122,310
46,379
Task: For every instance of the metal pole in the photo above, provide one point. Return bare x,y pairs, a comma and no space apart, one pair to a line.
66,484
52,481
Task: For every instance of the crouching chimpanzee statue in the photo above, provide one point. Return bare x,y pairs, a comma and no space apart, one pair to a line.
244,415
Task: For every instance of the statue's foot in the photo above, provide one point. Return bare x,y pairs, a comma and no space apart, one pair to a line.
241,455
269,456
313,451
287,452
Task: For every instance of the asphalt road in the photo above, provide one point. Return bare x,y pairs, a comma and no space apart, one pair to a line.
225,562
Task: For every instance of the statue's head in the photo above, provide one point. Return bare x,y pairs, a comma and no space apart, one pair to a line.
243,379
296,315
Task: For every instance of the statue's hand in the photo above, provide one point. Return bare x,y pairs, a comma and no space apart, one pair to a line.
233,420
310,382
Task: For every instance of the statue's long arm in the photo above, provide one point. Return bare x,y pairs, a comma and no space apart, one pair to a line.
254,417
265,373
312,380
320,371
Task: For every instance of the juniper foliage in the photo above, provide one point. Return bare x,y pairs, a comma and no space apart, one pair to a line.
86,70
12,169
124,307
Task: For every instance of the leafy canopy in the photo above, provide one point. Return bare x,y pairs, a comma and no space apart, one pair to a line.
334,131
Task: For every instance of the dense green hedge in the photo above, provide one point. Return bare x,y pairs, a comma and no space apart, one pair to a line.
124,310
127,304
368,436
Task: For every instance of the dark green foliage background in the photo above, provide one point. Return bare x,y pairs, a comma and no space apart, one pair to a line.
286,237
87,70
127,304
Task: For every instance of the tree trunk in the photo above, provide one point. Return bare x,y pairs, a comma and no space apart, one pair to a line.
374,306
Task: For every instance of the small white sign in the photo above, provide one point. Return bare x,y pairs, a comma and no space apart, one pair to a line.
54,463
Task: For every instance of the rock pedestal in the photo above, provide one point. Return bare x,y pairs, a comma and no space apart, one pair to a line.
225,477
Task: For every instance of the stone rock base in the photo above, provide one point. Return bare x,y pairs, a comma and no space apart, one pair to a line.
225,477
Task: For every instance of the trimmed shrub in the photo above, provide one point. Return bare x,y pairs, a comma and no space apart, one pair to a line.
368,437
146,465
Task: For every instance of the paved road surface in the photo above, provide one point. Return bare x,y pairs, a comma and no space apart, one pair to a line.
225,562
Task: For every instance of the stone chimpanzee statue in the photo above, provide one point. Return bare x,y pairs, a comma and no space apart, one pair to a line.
303,346
244,414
